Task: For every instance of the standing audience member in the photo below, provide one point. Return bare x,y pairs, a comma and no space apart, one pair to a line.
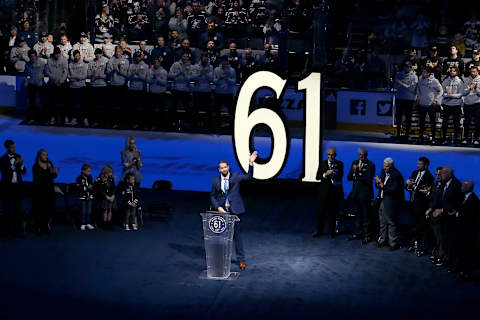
107,47
85,189
452,102
131,197
34,74
43,199
475,62
202,89
65,46
106,194
19,56
132,160
224,79
406,85
117,72
77,74
158,80
138,73
453,61
84,48
57,72
12,168
181,73
429,96
471,107
361,173
43,48
96,72
390,196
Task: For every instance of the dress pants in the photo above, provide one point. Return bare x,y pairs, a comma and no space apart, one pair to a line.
329,208
419,223
363,217
12,215
388,225
238,239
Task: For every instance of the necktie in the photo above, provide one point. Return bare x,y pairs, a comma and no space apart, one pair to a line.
225,188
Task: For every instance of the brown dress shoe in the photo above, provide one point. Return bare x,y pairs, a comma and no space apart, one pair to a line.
242,265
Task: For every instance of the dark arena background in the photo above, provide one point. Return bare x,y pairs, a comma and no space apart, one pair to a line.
350,129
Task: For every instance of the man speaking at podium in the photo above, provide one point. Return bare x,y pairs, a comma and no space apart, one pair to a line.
225,198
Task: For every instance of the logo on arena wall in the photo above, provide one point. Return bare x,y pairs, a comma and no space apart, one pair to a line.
217,224
384,108
358,107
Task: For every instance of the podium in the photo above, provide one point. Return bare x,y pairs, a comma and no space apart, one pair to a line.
218,235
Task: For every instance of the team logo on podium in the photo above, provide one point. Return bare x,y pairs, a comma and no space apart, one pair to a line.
217,224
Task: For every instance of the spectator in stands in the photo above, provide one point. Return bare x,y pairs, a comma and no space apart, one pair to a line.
137,22
453,60
97,94
163,51
224,79
104,23
57,72
475,62
406,85
43,48
117,72
179,23
60,31
471,31
429,95
77,74
412,58
452,102
235,58
158,15
107,47
213,53
65,46
459,43
202,89
12,168
249,65
158,80
50,38
471,108
211,34
85,190
419,29
106,194
269,60
236,23
43,194
85,48
396,33
28,35
138,73
19,55
271,30
127,52
433,62
34,73
175,43
131,198
12,38
196,23
259,14
142,48
181,73
186,49
219,18
132,161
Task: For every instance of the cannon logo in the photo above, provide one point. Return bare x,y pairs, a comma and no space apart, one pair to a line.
217,224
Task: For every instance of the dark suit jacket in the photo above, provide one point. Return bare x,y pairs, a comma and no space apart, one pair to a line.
427,180
326,184
393,194
218,197
452,198
362,180
469,212
7,172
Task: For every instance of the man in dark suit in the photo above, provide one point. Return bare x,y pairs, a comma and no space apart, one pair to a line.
330,174
225,197
419,185
444,209
436,223
12,168
390,198
361,173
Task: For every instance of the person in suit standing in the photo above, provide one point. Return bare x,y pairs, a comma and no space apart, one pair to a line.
419,185
436,223
330,175
390,198
361,173
12,168
466,231
446,206
225,197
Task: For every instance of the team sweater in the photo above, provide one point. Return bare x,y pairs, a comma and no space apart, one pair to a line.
454,87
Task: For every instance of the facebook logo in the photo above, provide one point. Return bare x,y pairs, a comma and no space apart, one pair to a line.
384,108
358,107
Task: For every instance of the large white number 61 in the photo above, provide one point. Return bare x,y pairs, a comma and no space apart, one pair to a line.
245,122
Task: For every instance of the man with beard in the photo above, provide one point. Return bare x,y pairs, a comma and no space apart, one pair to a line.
406,85
471,107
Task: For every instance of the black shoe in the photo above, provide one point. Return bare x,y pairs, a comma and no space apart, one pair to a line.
381,244
355,237
394,247
432,258
317,234
410,249
366,240
421,253
438,262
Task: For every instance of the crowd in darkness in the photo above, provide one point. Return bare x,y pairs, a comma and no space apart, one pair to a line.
101,81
